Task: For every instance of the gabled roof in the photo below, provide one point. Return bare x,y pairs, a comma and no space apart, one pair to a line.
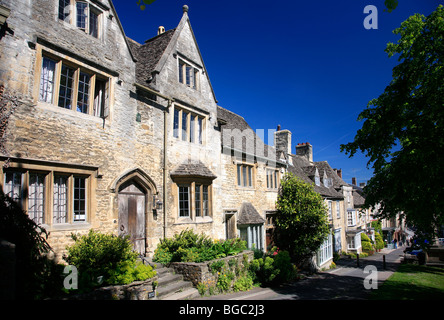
153,55
337,181
149,54
302,168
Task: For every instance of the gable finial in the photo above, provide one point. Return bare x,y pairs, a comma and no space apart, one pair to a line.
185,9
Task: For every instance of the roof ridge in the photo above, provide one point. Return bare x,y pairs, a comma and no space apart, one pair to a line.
225,109
158,36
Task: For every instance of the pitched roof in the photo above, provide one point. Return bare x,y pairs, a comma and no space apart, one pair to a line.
152,55
249,215
193,169
148,55
237,134
302,168
337,181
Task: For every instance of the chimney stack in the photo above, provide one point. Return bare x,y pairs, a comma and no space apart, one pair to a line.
282,141
339,172
160,30
305,150
354,181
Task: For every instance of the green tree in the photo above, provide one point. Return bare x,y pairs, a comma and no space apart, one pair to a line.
403,129
301,219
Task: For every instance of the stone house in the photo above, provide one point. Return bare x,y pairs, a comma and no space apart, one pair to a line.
128,138
251,172
122,137
327,183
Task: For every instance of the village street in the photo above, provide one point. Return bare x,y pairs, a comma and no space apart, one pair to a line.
342,283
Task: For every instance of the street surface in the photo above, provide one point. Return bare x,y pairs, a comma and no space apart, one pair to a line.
346,282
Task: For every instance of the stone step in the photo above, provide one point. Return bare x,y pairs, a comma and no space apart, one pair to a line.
167,278
166,291
187,294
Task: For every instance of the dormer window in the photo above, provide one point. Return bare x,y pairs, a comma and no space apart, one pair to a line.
82,14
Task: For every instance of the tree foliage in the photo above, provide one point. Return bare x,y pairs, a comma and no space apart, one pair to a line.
301,219
403,129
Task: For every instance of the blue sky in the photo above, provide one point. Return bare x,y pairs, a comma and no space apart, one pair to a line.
310,66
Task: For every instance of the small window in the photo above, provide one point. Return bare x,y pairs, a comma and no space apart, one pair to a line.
47,77
317,180
83,92
244,175
60,202
184,201
330,209
184,125
79,199
36,197
205,201
188,126
188,75
85,18
272,179
176,123
82,15
338,212
13,185
64,10
94,23
198,199
66,87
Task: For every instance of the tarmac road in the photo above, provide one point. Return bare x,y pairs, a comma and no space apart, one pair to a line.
346,282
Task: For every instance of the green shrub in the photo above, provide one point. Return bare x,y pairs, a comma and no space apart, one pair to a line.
244,283
105,259
273,269
37,276
190,247
287,270
379,241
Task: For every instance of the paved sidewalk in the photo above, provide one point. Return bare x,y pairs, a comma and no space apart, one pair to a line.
346,282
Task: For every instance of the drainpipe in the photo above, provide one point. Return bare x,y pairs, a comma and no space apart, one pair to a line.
165,137
165,153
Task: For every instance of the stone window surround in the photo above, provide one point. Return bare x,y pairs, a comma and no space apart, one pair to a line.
182,64
71,20
49,170
191,113
273,179
191,183
253,167
43,51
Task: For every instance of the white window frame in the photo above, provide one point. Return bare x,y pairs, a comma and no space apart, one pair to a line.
330,209
325,252
338,209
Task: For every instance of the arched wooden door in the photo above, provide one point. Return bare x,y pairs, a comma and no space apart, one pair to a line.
132,214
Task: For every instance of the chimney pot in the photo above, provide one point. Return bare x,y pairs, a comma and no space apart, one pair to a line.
279,127
354,181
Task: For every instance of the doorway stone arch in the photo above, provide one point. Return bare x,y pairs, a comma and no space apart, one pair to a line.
134,191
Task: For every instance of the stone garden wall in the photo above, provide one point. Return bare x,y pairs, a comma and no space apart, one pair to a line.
204,273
